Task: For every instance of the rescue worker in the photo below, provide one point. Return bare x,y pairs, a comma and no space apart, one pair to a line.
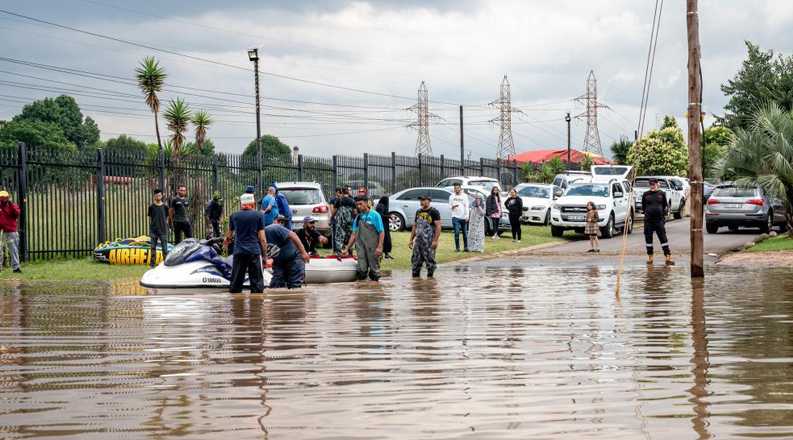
213,213
290,258
246,227
655,207
367,235
310,237
424,237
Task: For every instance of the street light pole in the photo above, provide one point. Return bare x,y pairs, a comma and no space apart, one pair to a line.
567,119
253,55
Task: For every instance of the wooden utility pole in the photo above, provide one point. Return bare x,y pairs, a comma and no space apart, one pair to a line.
695,139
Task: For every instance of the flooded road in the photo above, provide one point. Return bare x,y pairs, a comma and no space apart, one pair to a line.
510,350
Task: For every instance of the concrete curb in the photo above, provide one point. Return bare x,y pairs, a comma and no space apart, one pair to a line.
511,253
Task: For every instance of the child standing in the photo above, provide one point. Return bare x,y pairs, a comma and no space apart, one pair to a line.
592,229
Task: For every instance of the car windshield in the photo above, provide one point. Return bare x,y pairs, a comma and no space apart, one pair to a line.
302,196
486,184
589,190
645,183
535,191
609,171
733,191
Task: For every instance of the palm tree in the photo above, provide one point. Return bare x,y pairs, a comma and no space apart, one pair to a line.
201,121
151,78
763,155
178,116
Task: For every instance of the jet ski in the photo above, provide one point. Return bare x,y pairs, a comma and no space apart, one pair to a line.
191,264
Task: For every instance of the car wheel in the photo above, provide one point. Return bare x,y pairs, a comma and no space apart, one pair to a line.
629,224
769,223
679,214
556,231
547,218
712,228
608,231
396,222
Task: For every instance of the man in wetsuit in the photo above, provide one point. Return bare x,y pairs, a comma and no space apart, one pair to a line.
424,238
655,208
367,235
178,217
246,227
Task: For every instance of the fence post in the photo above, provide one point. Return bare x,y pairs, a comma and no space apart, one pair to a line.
481,166
393,173
498,169
161,171
421,172
300,167
22,199
335,173
215,179
443,168
366,172
100,195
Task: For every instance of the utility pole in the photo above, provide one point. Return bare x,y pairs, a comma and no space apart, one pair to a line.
568,119
506,145
253,55
422,124
462,144
695,138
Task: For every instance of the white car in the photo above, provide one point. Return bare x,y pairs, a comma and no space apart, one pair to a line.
611,200
306,199
675,196
537,200
486,183
567,178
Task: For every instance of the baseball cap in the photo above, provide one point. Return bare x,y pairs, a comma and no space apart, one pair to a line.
4,194
309,219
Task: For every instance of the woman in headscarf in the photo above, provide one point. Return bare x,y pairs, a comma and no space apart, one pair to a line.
382,209
476,225
493,211
342,224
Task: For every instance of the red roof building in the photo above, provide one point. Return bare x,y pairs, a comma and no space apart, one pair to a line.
540,156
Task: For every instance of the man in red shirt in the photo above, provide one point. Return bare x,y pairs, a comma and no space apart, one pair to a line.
9,213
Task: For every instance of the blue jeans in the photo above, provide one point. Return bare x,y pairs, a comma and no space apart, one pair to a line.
460,224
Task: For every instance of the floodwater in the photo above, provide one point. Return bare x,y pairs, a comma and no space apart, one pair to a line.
511,349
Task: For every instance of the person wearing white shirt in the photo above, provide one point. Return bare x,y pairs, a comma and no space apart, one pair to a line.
460,210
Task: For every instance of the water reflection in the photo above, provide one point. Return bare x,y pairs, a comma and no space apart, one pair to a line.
512,350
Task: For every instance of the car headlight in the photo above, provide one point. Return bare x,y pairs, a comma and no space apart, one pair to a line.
556,206
537,208
601,207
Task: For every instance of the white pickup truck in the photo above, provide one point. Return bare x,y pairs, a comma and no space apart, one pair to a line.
674,196
615,209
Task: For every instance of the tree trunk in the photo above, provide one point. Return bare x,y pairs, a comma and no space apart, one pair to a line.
157,129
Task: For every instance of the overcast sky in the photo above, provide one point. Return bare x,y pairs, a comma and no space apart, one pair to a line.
462,49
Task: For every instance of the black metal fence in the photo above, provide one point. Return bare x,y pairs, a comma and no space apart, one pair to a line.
73,200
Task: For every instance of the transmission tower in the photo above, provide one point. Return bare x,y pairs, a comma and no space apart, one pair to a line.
506,146
422,124
590,99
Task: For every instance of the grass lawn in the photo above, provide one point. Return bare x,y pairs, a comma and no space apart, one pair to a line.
85,269
782,242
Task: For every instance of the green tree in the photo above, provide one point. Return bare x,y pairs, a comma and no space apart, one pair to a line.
619,150
763,78
661,152
272,149
207,149
587,162
38,133
545,172
716,139
64,112
178,116
201,122
151,78
763,155
669,122
124,143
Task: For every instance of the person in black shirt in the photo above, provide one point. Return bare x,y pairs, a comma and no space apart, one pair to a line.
424,237
514,205
177,215
655,208
213,213
382,209
158,227
309,236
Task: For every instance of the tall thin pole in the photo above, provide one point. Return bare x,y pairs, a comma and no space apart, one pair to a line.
694,139
462,143
259,157
567,119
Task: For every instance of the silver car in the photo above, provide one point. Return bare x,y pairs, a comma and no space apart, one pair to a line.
734,206
404,204
306,199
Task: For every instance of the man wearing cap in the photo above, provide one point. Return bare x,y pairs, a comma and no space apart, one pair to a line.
283,207
246,227
9,214
367,236
424,238
655,208
309,236
459,204
289,256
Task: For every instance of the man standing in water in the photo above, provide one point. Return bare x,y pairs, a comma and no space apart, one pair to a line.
289,263
177,215
459,204
246,227
424,238
655,208
158,227
368,235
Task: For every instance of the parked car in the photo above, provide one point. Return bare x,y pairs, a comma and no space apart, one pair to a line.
504,222
610,199
604,173
707,191
486,183
307,199
376,189
674,193
735,206
405,203
567,178
537,200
